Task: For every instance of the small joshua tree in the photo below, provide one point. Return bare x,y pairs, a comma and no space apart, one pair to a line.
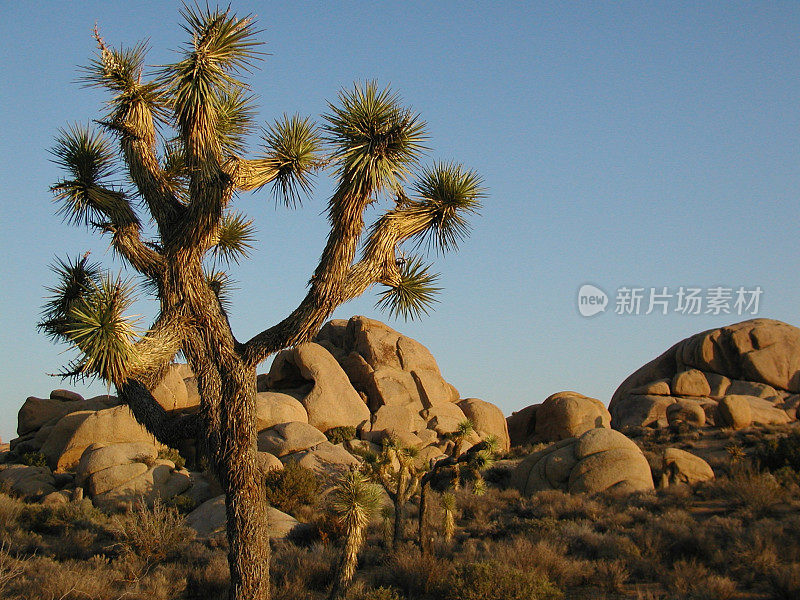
178,139
449,517
396,470
476,460
354,499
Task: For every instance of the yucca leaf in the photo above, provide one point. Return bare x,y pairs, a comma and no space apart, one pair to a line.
75,278
293,143
448,194
376,140
175,169
354,499
98,327
234,238
222,46
414,295
222,285
235,112
120,71
88,158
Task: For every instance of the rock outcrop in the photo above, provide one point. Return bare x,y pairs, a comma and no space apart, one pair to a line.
757,361
117,474
309,373
601,459
562,415
208,520
681,467
359,379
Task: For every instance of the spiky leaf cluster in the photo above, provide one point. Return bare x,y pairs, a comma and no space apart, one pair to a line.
235,112
88,158
75,280
448,194
222,46
415,293
222,285
293,144
120,70
376,140
235,238
354,499
88,309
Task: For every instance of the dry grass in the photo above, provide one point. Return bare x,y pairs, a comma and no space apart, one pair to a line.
735,538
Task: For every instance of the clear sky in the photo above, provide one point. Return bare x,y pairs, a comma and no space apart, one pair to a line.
634,144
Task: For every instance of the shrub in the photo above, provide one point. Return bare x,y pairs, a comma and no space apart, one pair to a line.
183,504
751,489
784,582
10,568
33,459
338,435
153,535
295,570
173,455
783,451
291,487
611,575
495,581
415,574
209,581
10,510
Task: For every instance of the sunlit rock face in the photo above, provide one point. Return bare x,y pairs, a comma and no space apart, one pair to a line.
737,375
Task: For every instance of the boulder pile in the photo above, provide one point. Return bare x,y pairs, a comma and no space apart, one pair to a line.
600,459
358,382
733,376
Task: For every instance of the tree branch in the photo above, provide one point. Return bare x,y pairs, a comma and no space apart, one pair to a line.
167,429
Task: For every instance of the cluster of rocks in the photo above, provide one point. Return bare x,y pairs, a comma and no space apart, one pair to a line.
359,377
324,403
735,376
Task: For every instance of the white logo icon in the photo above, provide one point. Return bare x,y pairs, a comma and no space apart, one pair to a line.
591,300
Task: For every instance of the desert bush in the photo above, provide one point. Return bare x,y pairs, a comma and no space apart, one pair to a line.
10,510
363,591
56,520
46,579
339,435
208,580
545,556
784,582
173,455
751,489
611,575
10,568
151,535
33,459
778,452
183,504
291,487
415,574
495,581
294,569
562,505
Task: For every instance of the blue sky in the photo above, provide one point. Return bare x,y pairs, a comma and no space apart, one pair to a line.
641,144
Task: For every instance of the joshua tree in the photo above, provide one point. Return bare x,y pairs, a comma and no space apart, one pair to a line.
476,459
186,186
353,500
396,470
449,517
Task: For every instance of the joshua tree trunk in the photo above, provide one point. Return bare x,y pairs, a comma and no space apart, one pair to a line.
349,561
424,545
245,497
399,518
